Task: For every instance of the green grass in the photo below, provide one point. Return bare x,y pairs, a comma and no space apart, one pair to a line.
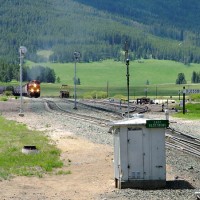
99,73
154,91
193,112
61,172
110,76
13,137
3,98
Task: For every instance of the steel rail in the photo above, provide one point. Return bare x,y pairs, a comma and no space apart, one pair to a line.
178,147
51,105
185,142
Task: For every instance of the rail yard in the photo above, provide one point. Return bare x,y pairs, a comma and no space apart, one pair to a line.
90,122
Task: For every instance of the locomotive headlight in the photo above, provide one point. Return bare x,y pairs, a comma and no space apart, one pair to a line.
32,90
34,85
38,90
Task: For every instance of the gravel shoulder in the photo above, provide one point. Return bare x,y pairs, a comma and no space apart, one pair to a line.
91,164
90,150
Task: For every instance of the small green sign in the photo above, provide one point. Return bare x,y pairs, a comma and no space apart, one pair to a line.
157,123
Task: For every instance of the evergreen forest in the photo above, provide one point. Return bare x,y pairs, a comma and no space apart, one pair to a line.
158,29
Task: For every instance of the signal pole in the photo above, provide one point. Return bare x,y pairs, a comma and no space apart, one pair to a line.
22,52
127,71
76,58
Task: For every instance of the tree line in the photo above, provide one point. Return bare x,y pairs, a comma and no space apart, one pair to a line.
8,72
194,79
43,74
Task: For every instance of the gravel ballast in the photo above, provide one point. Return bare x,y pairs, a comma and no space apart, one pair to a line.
184,169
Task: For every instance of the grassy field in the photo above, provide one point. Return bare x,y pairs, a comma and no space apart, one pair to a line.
99,73
13,137
110,76
192,112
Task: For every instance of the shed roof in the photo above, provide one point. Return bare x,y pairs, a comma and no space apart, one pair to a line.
130,121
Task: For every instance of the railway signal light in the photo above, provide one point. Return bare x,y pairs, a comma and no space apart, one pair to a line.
127,69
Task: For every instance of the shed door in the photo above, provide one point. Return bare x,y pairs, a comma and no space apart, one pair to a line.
158,156
135,154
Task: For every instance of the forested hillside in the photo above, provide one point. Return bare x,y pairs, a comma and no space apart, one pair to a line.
98,29
182,14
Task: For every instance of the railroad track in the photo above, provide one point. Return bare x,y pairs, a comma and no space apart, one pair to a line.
183,142
51,106
117,108
174,139
97,106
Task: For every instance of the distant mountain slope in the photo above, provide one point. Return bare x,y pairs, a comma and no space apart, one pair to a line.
182,13
98,29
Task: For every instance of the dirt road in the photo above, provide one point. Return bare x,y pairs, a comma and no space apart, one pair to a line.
91,174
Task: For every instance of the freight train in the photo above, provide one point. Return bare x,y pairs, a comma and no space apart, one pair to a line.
30,89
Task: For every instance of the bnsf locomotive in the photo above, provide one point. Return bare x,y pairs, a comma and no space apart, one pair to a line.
31,89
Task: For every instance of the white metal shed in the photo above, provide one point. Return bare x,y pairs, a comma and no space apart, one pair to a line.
139,153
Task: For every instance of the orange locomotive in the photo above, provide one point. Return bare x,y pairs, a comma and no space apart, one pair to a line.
31,89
